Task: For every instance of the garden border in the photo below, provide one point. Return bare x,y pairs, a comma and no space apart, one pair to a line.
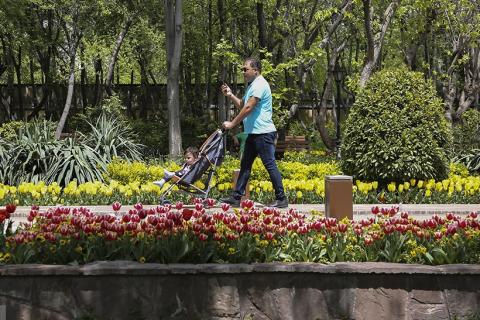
110,289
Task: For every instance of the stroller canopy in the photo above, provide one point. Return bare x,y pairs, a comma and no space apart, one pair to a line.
211,153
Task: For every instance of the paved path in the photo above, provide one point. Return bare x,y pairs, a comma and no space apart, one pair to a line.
360,211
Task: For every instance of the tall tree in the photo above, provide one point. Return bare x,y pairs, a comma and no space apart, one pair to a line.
375,39
173,31
74,16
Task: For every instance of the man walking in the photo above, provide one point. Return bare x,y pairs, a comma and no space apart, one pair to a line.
256,114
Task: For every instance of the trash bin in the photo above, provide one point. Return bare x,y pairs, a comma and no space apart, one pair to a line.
236,172
339,197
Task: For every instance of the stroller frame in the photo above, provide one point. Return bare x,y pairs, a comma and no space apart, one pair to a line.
218,138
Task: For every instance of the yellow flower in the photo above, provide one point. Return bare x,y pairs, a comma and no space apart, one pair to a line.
142,259
428,193
412,182
375,185
406,186
420,184
391,187
6,257
299,194
400,188
458,186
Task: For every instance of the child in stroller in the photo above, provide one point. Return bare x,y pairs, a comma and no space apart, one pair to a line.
191,155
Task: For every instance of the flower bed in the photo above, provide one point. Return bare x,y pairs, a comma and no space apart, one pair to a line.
176,234
130,183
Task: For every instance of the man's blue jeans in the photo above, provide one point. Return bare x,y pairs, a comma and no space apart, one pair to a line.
262,145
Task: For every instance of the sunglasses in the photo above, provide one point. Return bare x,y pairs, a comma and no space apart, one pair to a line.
246,69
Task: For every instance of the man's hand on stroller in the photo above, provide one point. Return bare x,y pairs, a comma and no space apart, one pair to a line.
227,125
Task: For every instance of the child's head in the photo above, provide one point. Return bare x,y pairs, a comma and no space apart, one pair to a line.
191,154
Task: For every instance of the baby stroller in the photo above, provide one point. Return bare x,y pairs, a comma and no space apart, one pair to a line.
210,156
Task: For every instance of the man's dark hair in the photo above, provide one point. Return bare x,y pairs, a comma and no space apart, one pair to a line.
193,151
254,63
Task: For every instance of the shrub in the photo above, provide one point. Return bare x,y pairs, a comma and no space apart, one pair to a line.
112,137
467,133
34,155
396,130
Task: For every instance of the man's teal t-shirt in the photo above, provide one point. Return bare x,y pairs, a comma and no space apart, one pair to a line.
260,119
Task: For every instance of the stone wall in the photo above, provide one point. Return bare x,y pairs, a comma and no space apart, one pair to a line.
129,290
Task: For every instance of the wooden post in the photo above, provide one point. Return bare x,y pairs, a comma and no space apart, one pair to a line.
339,197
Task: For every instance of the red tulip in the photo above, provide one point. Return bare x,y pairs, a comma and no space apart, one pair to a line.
269,236
245,218
358,231
138,206
225,207
331,222
187,214
247,204
210,202
268,211
375,210
10,208
142,213
342,227
6,213
179,205
203,237
116,206
267,220
368,241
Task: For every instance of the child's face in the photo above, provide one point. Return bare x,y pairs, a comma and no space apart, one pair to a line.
189,158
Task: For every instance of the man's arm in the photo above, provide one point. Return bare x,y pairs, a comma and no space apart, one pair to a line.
246,110
229,94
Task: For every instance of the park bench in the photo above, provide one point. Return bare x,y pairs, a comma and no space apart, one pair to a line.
292,143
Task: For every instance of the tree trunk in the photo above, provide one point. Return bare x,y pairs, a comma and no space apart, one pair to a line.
32,81
144,98
321,119
262,32
471,82
374,43
173,28
130,96
114,57
9,101
83,79
222,69
68,102
18,72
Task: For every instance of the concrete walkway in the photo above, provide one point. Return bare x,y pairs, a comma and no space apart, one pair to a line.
360,211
